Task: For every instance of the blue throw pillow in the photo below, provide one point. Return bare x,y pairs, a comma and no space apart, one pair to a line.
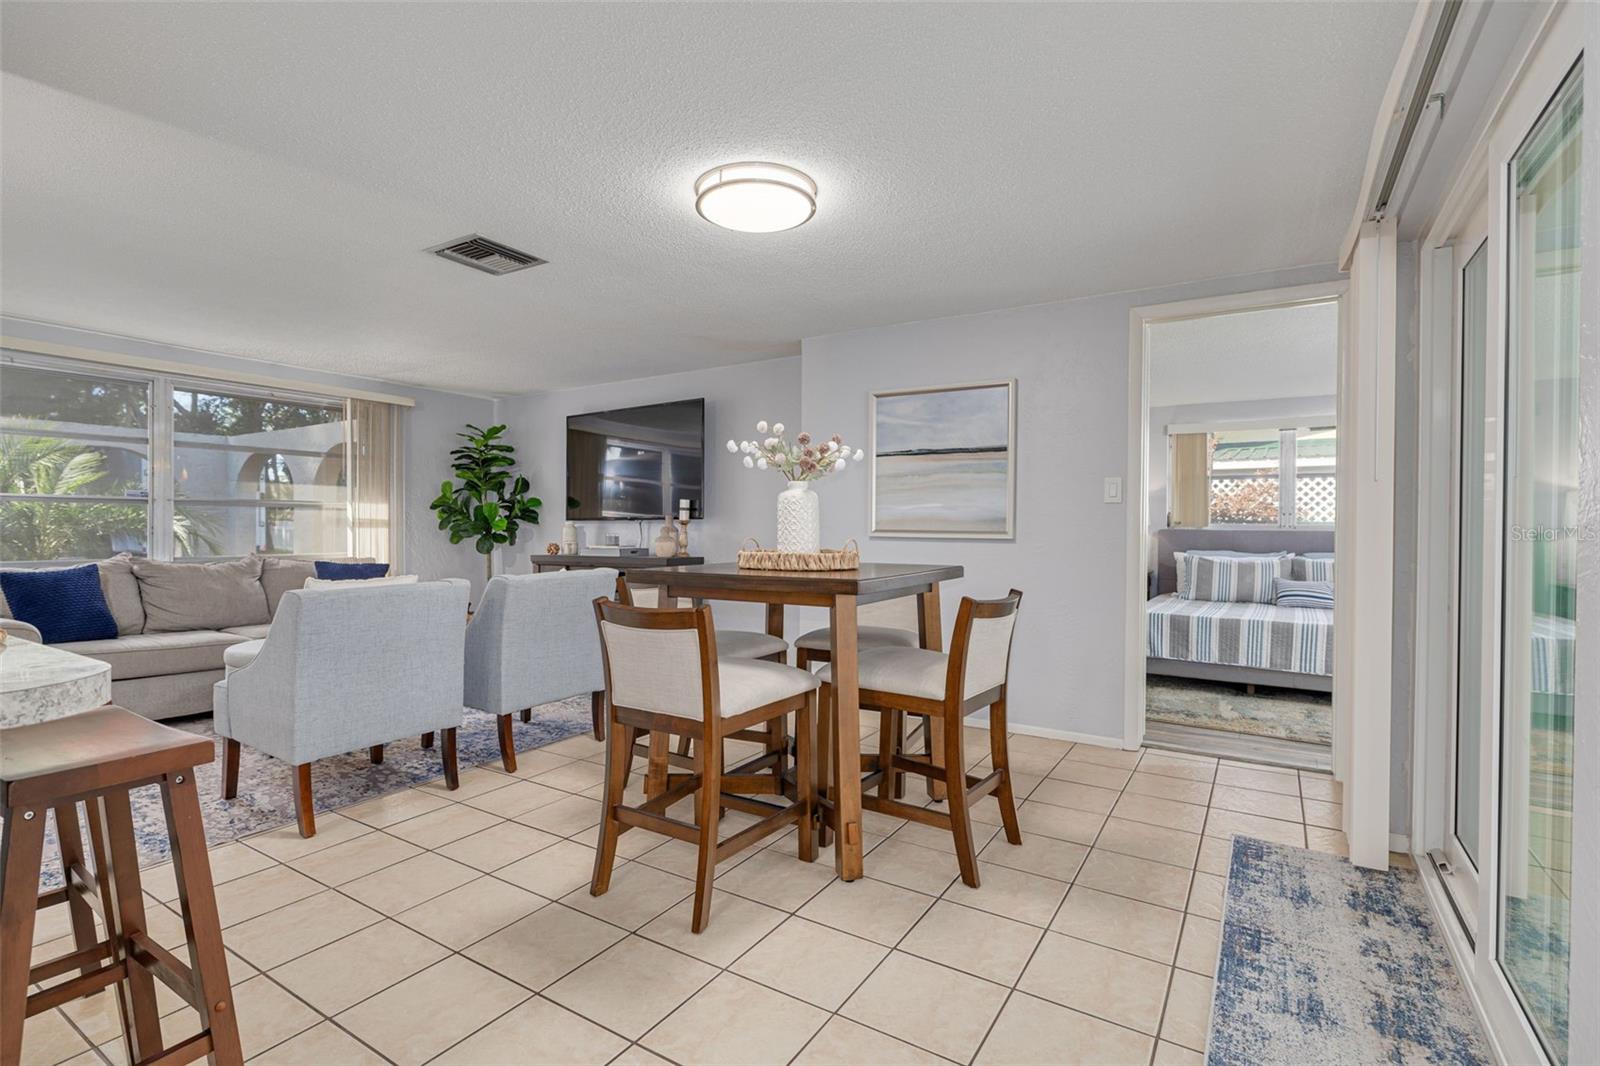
63,605
327,571
1305,594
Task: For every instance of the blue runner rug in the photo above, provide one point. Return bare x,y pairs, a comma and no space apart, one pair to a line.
1322,961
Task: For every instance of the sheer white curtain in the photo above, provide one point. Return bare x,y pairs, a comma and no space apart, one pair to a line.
374,481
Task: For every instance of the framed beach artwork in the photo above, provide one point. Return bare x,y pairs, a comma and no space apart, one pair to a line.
944,461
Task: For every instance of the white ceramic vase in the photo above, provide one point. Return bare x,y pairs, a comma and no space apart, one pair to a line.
799,519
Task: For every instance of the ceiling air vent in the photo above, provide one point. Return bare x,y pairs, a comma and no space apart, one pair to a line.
481,253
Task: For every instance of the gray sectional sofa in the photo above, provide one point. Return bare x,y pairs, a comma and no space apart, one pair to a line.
175,621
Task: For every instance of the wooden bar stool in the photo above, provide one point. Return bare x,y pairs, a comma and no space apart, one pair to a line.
95,758
940,689
663,677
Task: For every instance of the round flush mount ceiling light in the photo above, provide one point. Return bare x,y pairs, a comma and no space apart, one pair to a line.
755,197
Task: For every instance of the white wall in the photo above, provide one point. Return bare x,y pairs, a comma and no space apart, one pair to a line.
1070,360
428,429
739,503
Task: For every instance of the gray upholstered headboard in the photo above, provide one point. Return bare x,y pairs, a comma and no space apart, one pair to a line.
1299,541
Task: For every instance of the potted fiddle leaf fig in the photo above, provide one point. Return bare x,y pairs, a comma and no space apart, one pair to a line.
486,503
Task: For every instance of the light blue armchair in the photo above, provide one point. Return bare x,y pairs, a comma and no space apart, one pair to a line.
343,669
533,640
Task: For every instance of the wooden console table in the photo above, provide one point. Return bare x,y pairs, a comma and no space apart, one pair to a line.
541,563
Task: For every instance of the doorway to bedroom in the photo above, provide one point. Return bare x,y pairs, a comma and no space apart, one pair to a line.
1241,496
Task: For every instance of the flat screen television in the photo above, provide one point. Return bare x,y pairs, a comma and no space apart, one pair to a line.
637,462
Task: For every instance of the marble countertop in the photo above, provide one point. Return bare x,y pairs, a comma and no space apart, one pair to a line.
39,683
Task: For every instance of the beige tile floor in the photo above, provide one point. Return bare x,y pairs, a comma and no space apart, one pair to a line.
456,927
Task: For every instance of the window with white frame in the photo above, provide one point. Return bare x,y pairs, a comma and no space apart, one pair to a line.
95,461
1251,476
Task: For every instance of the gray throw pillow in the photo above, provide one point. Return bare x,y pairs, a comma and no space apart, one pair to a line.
185,596
121,592
280,575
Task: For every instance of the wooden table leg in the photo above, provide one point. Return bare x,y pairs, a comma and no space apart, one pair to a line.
777,730
655,774
846,738
930,635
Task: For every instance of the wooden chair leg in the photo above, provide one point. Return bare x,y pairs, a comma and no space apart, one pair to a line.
1000,757
21,850
805,754
708,763
302,800
230,768
452,779
197,902
619,757
824,760
655,779
427,739
527,715
889,727
136,992
375,753
508,746
956,797
597,713
79,911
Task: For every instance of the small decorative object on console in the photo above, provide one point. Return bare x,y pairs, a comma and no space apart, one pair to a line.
800,463
666,542
552,548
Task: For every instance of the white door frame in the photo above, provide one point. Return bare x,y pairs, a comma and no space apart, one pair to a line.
1534,76
1140,319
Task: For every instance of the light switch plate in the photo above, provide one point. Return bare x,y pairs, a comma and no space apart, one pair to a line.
1113,490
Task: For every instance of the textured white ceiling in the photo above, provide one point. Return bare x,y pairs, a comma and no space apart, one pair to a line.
262,178
1255,355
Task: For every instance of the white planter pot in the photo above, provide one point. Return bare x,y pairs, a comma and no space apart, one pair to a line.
799,519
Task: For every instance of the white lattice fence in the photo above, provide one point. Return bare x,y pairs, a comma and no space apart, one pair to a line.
1244,499
1313,499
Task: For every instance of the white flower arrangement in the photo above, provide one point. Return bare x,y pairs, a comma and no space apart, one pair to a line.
800,461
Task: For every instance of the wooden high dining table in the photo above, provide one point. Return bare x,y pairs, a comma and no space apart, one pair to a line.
841,592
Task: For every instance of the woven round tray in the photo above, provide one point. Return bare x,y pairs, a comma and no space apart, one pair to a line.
759,558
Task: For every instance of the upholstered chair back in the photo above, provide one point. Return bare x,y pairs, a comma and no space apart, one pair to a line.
344,668
657,660
898,613
533,640
984,629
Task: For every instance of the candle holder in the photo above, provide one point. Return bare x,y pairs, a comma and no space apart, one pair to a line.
683,536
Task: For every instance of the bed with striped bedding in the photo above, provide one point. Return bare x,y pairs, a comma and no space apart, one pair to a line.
1262,636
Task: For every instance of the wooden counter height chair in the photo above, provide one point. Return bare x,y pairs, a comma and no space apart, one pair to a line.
95,758
663,677
731,644
341,670
533,641
933,686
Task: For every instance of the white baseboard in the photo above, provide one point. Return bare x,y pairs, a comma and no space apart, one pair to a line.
1052,734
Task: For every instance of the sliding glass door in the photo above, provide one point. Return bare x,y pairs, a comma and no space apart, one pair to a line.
1539,622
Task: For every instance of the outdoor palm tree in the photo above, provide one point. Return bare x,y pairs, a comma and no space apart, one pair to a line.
64,527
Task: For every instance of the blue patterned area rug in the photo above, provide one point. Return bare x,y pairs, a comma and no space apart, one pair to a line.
1322,961
266,797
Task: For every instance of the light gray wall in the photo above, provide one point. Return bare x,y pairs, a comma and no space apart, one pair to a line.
1070,361
429,430
739,503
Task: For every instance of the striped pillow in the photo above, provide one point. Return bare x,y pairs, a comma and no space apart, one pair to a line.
1181,562
1306,594
1235,579
1318,569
